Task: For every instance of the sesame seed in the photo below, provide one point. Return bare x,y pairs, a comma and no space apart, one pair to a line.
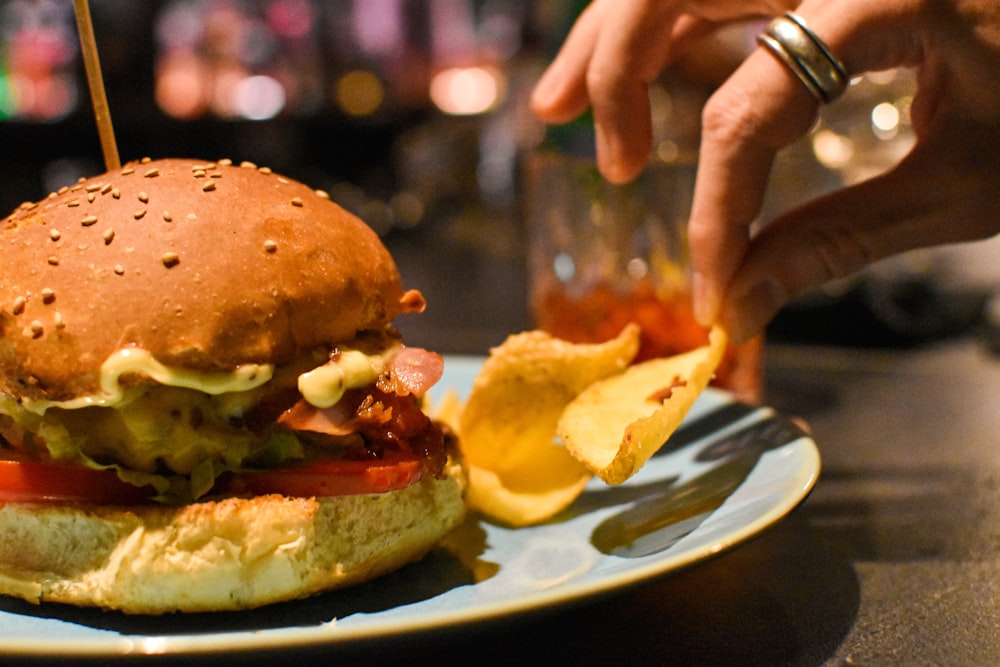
19,304
109,236
88,220
170,259
296,201
143,197
74,203
167,217
139,214
48,295
55,234
119,269
270,245
152,173
209,186
37,328
53,261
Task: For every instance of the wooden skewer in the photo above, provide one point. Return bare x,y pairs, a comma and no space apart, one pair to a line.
88,45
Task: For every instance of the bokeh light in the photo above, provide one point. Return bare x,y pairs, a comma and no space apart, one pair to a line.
467,90
359,93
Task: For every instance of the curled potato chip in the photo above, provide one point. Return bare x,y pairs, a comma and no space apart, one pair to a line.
519,473
616,424
523,505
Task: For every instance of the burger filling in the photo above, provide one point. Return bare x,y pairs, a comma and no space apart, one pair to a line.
188,435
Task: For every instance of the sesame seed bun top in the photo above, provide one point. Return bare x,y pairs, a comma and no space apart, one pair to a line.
205,265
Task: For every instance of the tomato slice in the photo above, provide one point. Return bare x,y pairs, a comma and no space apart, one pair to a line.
37,482
335,477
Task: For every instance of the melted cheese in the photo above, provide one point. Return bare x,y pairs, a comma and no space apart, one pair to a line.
137,360
130,360
322,387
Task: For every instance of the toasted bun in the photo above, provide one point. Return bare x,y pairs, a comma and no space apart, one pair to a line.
206,266
220,556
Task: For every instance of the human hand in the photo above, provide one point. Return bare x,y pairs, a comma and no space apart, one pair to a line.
943,191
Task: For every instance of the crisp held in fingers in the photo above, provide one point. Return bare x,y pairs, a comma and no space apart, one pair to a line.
545,416
616,424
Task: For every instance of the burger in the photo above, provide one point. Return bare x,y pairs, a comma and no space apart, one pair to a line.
204,404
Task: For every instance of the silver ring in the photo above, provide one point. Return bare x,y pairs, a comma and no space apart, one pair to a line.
805,54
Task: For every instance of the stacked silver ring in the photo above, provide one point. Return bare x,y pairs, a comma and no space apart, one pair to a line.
809,59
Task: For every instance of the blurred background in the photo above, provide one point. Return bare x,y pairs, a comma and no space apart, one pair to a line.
412,114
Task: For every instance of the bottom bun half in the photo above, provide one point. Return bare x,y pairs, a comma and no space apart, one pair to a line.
225,555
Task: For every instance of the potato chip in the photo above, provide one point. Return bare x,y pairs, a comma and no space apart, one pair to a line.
508,424
519,505
616,424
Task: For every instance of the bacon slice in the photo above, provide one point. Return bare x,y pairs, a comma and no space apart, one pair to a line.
386,414
384,421
414,370
338,419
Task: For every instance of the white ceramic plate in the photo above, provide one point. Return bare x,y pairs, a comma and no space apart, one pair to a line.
728,473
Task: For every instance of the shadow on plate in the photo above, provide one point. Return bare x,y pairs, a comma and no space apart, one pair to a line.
664,512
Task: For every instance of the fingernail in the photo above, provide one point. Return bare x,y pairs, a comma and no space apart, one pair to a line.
540,94
608,154
751,313
705,303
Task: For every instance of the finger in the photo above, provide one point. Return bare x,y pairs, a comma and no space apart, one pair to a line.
760,109
615,50
942,193
560,95
636,43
